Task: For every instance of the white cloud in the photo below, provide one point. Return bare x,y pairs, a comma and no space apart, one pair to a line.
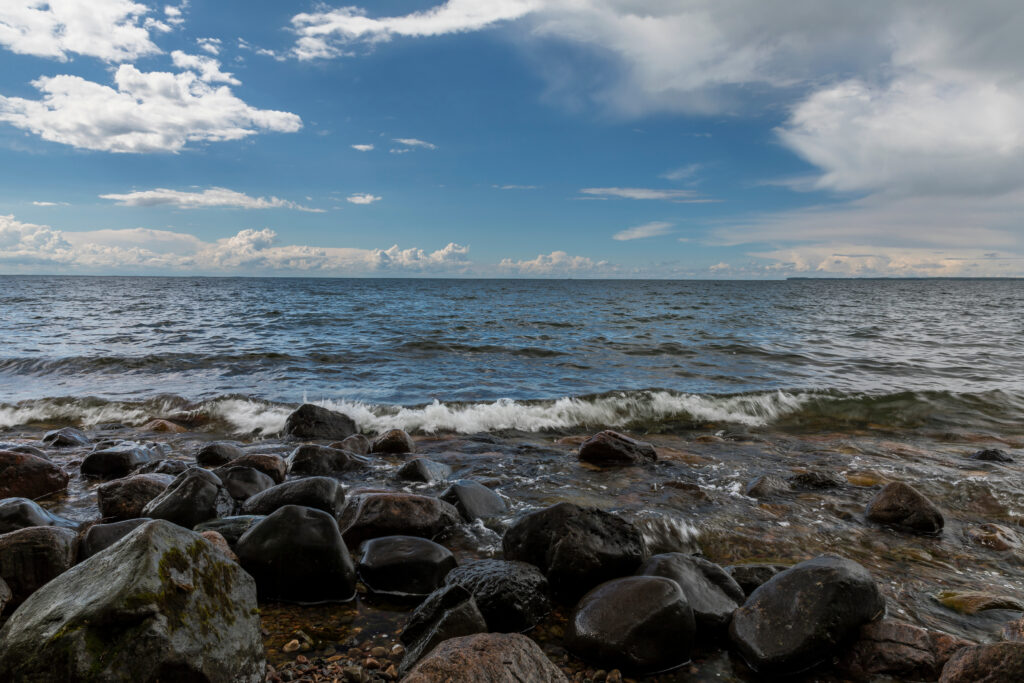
365,198
862,260
682,173
363,148
44,203
110,30
175,14
144,112
208,68
679,196
214,197
413,142
514,187
652,229
210,45
557,263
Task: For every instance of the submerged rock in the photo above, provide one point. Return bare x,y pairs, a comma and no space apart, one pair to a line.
101,536
404,566
321,460
765,486
371,515
972,602
31,557
898,649
902,506
114,462
610,448
991,455
993,663
357,443
448,612
321,493
800,616
816,480
512,596
126,498
396,441
712,594
487,658
161,605
23,475
313,422
66,438
21,513
218,453
474,501
194,496
422,469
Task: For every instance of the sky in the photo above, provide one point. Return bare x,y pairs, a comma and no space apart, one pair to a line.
513,138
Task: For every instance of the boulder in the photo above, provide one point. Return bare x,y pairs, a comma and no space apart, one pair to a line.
610,448
218,453
160,605
20,513
372,515
902,506
357,443
67,437
712,594
512,596
297,554
125,498
422,469
313,422
800,616
101,536
111,463
194,496
321,460
474,501
641,624
487,658
31,557
395,441
751,576
23,475
993,663
448,612
274,466
321,493
577,548
991,455
230,528
900,650
244,482
404,566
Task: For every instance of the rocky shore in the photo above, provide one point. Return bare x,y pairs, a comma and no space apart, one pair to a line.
323,554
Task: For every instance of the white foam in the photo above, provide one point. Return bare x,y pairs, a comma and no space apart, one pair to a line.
83,414
247,416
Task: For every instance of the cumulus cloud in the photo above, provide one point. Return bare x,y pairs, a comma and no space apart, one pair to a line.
556,263
679,196
363,148
207,68
213,197
862,260
652,229
143,112
210,45
365,198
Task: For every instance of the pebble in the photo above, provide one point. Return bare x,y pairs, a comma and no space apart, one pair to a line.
291,646
379,652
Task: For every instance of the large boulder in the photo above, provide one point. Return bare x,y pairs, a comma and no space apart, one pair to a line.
313,422
800,616
712,594
474,501
28,476
31,557
992,663
610,448
448,612
577,548
67,437
274,466
244,482
114,462
424,470
322,460
404,566
160,605
125,498
322,493
895,648
218,453
487,658
641,624
394,441
902,506
512,596
297,554
230,528
101,536
20,513
372,515
194,496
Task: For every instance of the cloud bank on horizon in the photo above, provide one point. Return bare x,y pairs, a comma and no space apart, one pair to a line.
712,138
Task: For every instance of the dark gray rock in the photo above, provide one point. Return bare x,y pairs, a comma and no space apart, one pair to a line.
357,443
765,486
372,515
751,576
101,536
512,596
816,480
31,557
323,461
111,463
422,469
395,441
5,595
23,448
67,437
448,612
244,482
21,513
641,624
801,616
892,648
297,554
163,466
274,466
321,493
161,605
194,496
576,548
313,422
904,507
474,501
992,663
404,566
23,475
125,498
610,448
712,594
218,453
487,658
991,455
231,528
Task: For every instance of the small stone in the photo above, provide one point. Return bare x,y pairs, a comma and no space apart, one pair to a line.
614,676
379,652
391,672
901,505
371,663
291,646
610,448
302,659
991,455
397,650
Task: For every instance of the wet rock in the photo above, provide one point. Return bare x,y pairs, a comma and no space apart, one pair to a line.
220,544
218,453
396,441
474,501
448,612
404,566
321,460
641,624
576,548
21,513
313,422
67,437
372,515
994,536
101,536
799,617
894,648
902,506
765,486
274,466
23,448
163,466
194,496
991,455
710,591
357,443
230,528
244,482
610,448
422,469
321,493
972,602
163,427
751,576
512,596
31,557
111,463
487,658
816,480
994,663
125,498
162,605
297,554
23,475
5,595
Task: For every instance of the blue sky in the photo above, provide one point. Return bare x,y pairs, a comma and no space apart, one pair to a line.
512,138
